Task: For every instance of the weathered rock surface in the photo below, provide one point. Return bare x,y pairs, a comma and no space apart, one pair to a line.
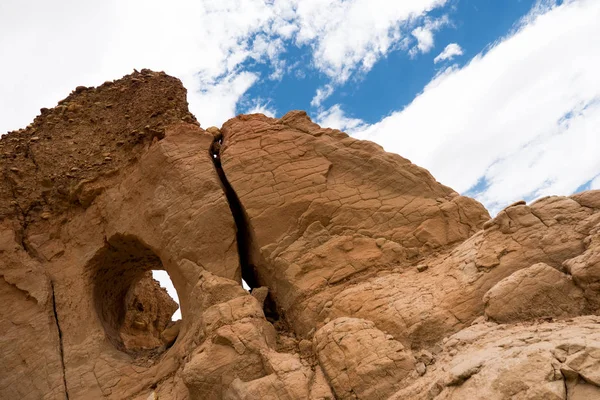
370,280
323,208
360,360
522,361
148,311
539,291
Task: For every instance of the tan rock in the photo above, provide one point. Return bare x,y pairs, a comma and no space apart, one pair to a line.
359,361
534,292
509,362
260,294
322,207
370,279
148,311
169,335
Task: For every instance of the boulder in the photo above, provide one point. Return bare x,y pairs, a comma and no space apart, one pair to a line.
539,291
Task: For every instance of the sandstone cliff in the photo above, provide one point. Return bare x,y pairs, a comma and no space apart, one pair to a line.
370,280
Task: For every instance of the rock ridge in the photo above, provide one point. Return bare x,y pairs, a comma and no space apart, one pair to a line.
369,279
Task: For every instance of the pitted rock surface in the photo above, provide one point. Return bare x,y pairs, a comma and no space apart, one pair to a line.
370,280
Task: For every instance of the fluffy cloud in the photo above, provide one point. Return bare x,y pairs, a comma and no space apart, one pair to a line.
424,35
595,184
204,43
449,52
258,107
424,38
520,121
350,36
335,118
216,103
322,94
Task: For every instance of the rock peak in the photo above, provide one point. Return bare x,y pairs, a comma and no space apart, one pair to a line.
369,279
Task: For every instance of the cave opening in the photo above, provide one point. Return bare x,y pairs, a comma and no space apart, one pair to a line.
134,310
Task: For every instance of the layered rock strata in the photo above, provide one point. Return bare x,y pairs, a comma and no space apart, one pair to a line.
369,279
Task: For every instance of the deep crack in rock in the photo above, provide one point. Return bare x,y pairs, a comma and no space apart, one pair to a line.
60,342
243,235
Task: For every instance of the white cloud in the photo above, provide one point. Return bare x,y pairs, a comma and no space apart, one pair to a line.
424,35
348,35
522,118
424,38
595,185
217,102
451,51
335,118
259,107
322,94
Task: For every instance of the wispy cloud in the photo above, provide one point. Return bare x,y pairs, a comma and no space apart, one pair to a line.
260,107
523,117
322,94
334,117
449,52
424,35
351,36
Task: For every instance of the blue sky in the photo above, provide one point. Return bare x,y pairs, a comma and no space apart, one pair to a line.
397,78
498,99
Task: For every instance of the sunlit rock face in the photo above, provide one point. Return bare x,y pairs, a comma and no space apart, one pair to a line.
369,279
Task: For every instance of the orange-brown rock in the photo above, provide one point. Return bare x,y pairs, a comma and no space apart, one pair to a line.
539,291
148,311
370,280
322,209
70,255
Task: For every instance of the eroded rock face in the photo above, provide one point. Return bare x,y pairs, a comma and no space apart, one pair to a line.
360,360
539,291
148,311
323,208
370,279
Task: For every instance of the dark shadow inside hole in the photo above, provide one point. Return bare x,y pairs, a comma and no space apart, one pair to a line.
134,310
270,309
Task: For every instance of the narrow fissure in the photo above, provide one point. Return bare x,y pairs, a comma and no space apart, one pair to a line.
60,342
241,225
243,237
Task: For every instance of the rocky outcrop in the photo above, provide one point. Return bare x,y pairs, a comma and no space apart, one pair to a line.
539,291
553,360
370,280
323,209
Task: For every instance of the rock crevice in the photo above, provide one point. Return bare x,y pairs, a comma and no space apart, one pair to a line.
60,342
243,235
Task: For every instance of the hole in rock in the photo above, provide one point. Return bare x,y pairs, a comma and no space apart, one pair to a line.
270,309
135,311
245,285
165,282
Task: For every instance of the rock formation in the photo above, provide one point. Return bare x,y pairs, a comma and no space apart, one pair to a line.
369,279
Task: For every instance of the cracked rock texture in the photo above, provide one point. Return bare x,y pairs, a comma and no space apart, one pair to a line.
370,280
